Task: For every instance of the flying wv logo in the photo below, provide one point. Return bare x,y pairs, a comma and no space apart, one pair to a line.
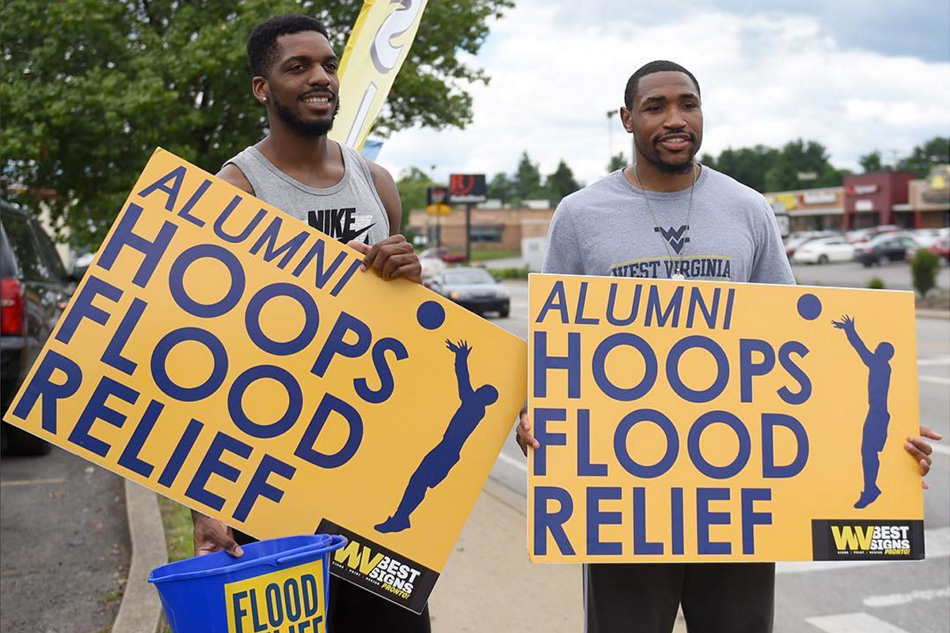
676,237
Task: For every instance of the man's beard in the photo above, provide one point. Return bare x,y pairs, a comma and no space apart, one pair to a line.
312,129
653,157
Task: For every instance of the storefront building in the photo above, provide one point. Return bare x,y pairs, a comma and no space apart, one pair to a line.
876,199
929,199
810,209
492,229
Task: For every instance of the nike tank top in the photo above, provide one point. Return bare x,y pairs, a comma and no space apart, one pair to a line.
349,210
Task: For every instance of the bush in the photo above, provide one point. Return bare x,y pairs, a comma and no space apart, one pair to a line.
924,269
876,283
509,273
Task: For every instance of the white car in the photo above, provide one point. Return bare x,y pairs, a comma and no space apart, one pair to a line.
431,266
824,250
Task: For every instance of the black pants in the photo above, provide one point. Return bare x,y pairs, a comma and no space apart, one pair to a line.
644,597
355,610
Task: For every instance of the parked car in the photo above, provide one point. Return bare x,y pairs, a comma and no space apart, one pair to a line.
859,236
472,288
34,289
940,248
431,266
441,252
824,250
927,237
796,240
885,248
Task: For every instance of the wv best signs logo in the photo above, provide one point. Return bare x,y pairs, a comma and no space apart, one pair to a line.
236,360
699,421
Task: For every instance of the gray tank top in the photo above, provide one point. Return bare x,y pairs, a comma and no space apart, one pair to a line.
349,210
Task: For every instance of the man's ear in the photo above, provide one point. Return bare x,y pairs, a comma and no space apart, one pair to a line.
626,119
259,89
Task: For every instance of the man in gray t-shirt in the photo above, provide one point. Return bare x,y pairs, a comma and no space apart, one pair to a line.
669,217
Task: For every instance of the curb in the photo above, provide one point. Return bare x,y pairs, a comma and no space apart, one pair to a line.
933,314
141,608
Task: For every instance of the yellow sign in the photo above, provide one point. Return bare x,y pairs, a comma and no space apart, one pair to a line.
701,421
439,208
232,358
286,600
374,53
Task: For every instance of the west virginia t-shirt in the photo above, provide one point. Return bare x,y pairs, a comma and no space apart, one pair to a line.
608,229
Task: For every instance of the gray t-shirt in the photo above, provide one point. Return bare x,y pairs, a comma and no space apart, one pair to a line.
349,210
607,229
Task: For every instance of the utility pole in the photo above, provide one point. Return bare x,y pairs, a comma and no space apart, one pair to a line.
610,134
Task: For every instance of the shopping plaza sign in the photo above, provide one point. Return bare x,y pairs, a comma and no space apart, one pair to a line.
702,421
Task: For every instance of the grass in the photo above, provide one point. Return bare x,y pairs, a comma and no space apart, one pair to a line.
176,519
484,255
178,529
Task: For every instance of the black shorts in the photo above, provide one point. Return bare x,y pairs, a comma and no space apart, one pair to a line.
355,610
644,597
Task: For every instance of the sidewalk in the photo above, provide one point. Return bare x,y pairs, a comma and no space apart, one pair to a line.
489,585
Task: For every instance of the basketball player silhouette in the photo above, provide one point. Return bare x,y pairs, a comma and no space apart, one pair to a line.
436,465
875,424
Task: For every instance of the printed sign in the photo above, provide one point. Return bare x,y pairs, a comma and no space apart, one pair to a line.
236,360
289,600
374,53
467,188
704,421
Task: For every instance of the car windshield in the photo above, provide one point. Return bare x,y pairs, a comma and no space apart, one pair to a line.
467,277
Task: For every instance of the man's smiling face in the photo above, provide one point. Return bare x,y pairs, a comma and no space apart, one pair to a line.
303,83
666,120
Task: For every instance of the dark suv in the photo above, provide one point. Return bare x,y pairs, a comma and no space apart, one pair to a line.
34,288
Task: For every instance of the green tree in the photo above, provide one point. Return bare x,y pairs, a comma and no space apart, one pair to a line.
501,187
924,157
560,183
527,180
796,162
412,192
617,161
748,165
871,162
90,87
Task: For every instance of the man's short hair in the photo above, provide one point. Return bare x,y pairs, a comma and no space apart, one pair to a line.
262,50
658,66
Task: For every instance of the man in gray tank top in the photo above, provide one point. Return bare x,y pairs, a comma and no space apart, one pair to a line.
668,217
299,170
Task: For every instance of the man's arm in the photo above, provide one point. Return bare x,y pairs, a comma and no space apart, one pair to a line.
232,174
769,263
392,257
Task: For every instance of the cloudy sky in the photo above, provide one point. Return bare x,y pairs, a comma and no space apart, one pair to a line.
854,75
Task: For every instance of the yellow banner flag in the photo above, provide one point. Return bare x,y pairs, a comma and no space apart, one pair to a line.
374,53
708,422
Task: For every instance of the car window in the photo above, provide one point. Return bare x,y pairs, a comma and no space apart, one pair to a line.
25,248
469,277
7,263
50,254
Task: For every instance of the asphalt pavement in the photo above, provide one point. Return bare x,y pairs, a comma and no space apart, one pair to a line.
64,551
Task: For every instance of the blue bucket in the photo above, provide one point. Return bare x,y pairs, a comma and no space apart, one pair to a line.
280,584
